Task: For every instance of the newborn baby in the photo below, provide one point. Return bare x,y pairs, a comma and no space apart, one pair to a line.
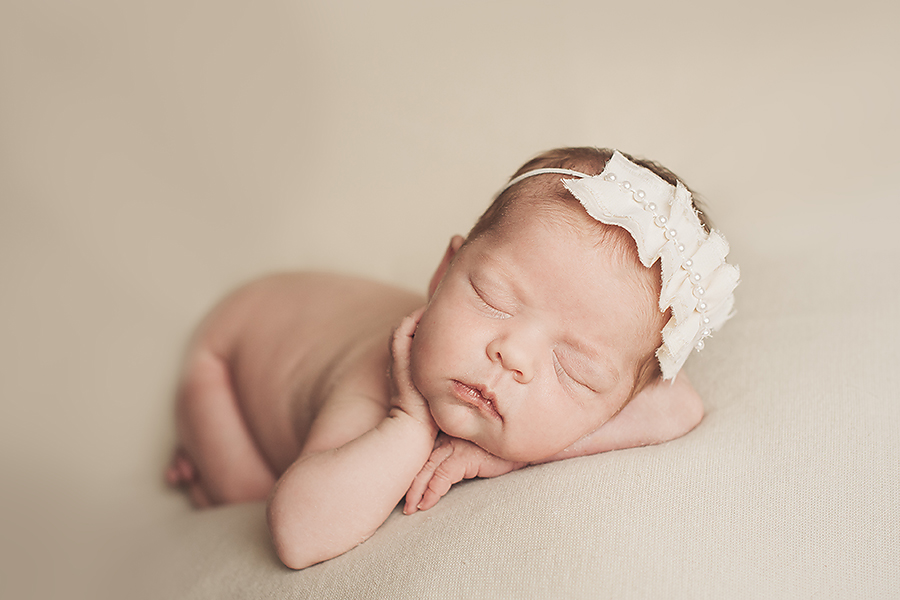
555,329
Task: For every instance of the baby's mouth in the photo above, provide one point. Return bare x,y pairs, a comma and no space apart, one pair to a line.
478,397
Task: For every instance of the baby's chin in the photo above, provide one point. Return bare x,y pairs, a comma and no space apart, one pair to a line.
524,451
492,445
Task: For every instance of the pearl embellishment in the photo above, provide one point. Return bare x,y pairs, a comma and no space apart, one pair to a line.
661,221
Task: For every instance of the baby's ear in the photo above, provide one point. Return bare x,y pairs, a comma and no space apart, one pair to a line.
456,243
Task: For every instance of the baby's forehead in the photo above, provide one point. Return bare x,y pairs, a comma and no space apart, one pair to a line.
602,276
569,219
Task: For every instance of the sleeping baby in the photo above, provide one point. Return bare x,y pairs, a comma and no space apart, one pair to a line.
556,328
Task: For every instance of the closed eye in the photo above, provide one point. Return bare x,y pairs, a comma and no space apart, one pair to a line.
487,306
564,375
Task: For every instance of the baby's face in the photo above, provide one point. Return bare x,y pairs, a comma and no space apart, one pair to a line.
533,338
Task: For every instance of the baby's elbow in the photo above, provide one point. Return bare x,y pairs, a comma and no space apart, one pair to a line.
291,558
287,538
690,416
301,542
685,407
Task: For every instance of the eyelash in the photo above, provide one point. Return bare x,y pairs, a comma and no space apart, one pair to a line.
494,311
561,371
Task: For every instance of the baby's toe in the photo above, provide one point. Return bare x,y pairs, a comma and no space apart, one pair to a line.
172,477
186,469
180,470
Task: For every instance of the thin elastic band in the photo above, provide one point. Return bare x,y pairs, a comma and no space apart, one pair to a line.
528,174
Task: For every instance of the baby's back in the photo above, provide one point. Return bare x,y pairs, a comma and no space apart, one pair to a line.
290,340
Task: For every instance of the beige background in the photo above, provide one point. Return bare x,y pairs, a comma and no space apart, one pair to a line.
155,154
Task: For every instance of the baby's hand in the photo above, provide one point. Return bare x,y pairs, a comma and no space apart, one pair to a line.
451,461
405,398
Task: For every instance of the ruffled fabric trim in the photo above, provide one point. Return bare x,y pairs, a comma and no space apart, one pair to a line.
697,282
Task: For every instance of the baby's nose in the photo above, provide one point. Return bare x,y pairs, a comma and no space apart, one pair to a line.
512,357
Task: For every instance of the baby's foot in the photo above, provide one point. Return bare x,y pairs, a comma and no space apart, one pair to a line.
181,473
181,470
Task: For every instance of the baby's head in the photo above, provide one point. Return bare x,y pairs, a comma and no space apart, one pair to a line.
544,321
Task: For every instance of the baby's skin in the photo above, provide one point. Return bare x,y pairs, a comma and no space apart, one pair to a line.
335,397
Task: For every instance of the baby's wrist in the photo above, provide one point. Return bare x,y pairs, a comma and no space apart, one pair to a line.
424,427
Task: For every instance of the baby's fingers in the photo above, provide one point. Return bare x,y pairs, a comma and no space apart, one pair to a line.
439,485
401,345
420,485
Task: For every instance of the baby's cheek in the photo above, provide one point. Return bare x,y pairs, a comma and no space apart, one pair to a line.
425,374
444,416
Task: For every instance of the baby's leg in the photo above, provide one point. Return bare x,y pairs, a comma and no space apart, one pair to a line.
217,459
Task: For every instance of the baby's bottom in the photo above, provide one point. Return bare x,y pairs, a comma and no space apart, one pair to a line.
217,459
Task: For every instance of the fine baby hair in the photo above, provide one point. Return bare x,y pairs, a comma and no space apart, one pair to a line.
658,211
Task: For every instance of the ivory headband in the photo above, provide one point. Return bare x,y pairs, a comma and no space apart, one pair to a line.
697,284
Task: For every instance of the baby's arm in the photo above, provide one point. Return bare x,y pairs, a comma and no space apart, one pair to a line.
330,500
661,412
